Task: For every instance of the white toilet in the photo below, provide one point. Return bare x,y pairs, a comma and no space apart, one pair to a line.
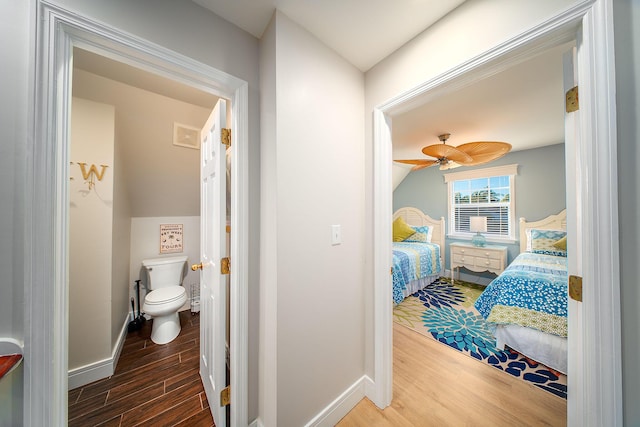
165,296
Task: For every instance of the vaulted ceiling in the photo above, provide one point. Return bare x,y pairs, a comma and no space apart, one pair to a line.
362,31
522,105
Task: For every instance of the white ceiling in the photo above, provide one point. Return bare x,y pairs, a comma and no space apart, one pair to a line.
361,31
523,105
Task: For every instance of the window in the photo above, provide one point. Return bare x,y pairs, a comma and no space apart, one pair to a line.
482,192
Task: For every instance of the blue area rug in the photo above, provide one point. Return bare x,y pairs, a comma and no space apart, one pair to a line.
445,312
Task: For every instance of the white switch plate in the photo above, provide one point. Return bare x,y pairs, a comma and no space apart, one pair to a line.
336,236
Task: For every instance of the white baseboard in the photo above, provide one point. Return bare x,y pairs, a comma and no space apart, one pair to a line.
341,406
371,392
484,281
123,336
90,373
256,423
102,368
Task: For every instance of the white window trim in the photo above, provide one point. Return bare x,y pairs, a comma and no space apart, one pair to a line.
511,170
481,173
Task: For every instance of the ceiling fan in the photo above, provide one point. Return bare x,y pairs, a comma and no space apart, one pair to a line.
469,154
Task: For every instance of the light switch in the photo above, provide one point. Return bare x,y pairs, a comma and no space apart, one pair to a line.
336,237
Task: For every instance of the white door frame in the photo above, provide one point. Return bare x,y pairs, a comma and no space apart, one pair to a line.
46,251
591,22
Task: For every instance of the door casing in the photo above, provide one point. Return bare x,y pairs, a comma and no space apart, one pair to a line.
591,24
46,250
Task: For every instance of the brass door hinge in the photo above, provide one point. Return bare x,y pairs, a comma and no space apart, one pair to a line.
225,396
225,136
571,102
225,265
575,288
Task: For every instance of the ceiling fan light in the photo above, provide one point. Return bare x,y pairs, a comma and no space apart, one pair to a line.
449,165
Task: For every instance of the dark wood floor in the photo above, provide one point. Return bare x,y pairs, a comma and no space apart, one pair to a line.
156,385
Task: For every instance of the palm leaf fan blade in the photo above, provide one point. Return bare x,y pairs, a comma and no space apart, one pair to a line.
484,151
418,163
448,152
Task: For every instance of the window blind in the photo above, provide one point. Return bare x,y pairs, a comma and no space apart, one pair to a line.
498,218
482,196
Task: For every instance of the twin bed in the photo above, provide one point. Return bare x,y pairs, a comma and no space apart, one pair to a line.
526,305
415,263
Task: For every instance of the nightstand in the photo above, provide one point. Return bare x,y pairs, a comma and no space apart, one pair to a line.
491,258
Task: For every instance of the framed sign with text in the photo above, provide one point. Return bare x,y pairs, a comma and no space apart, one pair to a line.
171,238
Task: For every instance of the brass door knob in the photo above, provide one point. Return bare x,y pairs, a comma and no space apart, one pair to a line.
196,267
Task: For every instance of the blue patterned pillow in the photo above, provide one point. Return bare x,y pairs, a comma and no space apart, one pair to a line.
423,229
554,253
417,237
542,242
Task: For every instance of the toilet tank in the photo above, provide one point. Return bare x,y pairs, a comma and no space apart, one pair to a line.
167,271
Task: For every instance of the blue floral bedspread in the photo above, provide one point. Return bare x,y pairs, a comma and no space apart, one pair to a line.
531,292
413,261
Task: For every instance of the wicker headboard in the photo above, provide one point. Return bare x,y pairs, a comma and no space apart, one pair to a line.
414,216
552,222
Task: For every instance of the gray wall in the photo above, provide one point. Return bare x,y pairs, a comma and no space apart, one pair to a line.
16,19
627,44
539,188
121,243
313,177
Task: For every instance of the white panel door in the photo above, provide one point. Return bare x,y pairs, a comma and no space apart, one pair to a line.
574,177
212,250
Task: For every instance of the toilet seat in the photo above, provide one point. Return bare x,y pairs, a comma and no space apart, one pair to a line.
165,295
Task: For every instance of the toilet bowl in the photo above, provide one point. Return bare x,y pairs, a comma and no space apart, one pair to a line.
165,296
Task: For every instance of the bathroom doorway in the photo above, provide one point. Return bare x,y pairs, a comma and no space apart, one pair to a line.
145,183
48,307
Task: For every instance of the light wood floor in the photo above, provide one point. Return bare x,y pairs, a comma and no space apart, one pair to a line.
154,385
434,385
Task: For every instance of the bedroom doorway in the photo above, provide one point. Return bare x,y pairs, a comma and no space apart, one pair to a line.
427,190
48,305
597,211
